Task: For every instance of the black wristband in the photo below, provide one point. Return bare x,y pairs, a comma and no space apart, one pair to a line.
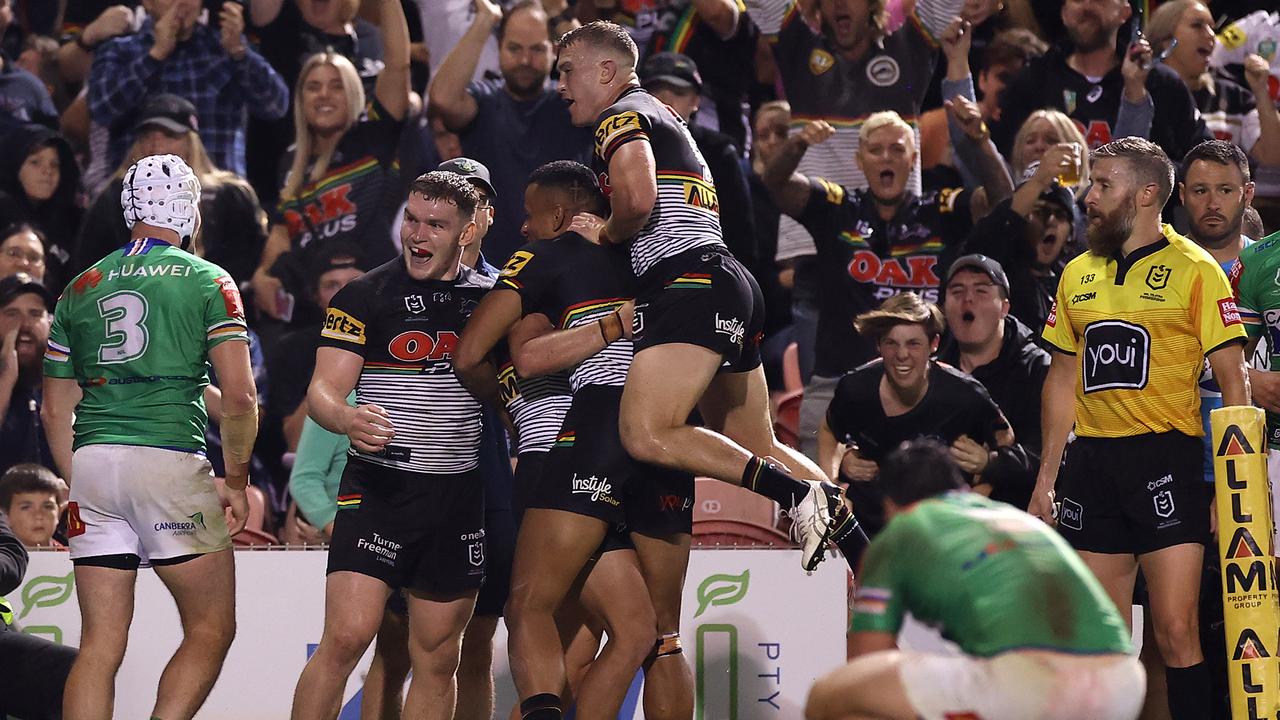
80,43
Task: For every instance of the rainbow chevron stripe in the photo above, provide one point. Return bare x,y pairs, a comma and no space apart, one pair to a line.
690,281
349,502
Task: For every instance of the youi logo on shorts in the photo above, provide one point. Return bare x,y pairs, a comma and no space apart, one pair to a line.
1117,355
598,488
733,327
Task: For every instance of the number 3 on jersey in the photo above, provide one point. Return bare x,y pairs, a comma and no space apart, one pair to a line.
124,313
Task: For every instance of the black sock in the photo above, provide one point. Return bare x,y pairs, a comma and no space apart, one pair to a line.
1189,691
765,478
849,536
543,706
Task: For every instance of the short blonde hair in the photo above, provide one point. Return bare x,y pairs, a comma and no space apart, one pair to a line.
1067,133
883,119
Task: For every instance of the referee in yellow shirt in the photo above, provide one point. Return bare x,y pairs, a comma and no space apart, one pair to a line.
1134,318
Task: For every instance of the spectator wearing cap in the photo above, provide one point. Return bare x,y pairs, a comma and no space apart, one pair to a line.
1001,353
872,243
39,179
26,311
674,79
478,175
514,124
1027,235
212,65
233,225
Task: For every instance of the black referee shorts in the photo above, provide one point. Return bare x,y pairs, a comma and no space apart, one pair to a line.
1134,495
702,297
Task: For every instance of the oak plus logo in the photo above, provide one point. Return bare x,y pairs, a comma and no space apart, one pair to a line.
1117,356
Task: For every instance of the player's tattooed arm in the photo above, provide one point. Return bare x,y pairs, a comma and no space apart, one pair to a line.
537,348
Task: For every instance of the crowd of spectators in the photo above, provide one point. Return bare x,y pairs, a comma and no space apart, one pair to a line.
860,149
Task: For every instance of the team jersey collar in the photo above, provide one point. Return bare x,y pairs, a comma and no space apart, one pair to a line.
142,246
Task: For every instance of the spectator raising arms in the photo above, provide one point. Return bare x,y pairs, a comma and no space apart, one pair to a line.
213,68
512,125
234,227
342,180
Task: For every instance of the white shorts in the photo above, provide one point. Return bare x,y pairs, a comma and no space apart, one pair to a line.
135,500
1024,685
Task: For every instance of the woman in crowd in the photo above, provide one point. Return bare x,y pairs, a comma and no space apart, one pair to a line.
1229,110
38,184
1042,130
22,251
769,131
342,180
233,226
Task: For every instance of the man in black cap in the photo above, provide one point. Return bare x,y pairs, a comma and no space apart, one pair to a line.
1028,236
674,79
26,309
1001,353
475,668
478,175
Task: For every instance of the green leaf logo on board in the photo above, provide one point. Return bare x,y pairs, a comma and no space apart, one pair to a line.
46,591
722,590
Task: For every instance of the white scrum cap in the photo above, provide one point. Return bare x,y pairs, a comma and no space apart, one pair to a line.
161,190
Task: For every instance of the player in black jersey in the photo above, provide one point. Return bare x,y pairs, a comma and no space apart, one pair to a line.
697,308
561,280
410,504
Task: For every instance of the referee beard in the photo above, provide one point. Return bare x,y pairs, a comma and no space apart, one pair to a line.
1138,280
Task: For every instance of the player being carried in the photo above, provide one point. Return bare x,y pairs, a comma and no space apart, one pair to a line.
697,308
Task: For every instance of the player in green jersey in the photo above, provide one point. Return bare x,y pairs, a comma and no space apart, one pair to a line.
1040,638
127,362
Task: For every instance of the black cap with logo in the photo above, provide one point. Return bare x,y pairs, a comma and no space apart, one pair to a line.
471,170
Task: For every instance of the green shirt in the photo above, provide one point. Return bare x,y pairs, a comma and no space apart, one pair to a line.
135,332
991,577
317,471
1256,280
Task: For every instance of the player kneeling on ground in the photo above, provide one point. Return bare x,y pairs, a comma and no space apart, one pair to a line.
1039,635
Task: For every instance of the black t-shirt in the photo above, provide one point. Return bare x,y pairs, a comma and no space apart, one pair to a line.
406,329
358,196
863,260
575,282
1048,82
513,138
955,404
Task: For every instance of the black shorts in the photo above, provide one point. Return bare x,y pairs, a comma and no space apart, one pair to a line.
1134,495
529,466
589,473
702,297
500,551
416,531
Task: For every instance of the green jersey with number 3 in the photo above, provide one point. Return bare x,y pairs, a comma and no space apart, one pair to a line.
1256,281
135,332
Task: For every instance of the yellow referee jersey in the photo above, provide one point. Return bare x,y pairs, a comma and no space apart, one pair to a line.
1142,326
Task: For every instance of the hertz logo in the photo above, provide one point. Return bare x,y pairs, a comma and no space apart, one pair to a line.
341,326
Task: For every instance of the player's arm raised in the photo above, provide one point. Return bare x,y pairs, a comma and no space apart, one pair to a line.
58,412
488,324
537,348
337,371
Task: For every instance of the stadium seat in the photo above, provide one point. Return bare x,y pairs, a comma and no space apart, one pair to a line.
786,423
727,515
250,538
791,379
